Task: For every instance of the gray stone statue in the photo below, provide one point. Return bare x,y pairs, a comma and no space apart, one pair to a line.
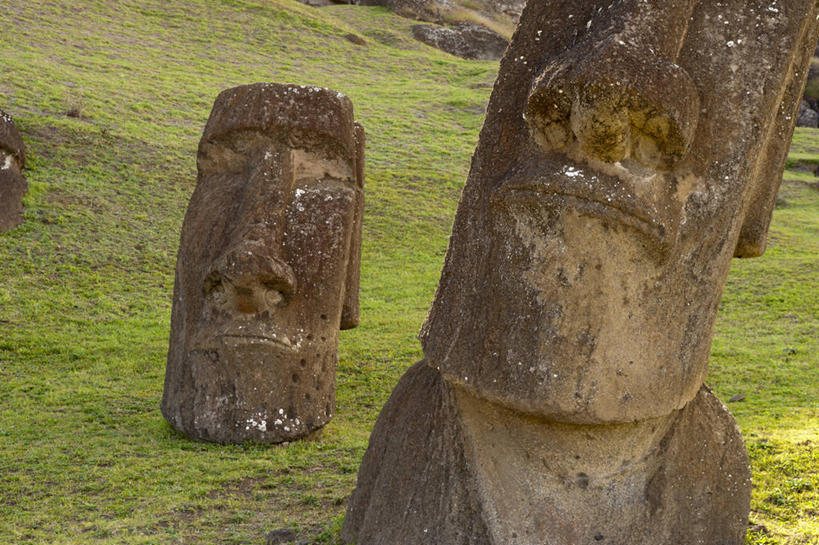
268,266
12,184
630,149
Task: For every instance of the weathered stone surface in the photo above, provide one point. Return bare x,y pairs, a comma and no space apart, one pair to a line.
465,40
356,39
446,468
512,8
319,3
268,266
12,183
807,116
422,10
608,275
278,537
812,86
417,452
630,151
436,11
476,30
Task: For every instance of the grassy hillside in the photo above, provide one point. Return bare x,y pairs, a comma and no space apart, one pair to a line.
85,283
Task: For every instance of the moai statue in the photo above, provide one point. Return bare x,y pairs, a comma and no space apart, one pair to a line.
12,184
630,149
268,266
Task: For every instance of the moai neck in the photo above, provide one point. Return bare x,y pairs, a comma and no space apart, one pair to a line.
558,468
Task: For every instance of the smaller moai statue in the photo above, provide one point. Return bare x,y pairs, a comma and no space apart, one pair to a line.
12,184
268,266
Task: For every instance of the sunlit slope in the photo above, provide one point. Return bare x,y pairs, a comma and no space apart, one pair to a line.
85,283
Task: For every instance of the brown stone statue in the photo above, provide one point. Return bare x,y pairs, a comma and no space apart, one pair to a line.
268,266
12,184
631,148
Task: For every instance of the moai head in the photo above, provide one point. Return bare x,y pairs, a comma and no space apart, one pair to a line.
630,150
12,184
268,266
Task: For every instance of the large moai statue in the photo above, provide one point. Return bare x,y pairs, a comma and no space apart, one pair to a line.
268,266
630,149
12,184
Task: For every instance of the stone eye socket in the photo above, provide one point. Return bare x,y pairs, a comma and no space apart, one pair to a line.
213,284
215,289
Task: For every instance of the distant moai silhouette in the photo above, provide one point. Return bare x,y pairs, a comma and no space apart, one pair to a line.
268,266
630,149
13,185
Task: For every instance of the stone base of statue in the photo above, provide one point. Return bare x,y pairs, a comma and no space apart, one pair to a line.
465,471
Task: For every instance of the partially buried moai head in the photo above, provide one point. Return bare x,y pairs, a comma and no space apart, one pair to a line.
12,184
268,266
630,150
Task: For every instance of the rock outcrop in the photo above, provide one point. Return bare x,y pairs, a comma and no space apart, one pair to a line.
465,40
320,3
436,11
807,116
811,99
268,266
475,29
13,185
561,397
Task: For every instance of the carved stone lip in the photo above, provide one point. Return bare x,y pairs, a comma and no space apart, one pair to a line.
249,339
592,194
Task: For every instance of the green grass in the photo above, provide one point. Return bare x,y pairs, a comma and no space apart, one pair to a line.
85,456
766,346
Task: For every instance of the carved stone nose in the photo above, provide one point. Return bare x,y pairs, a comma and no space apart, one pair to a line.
615,100
257,280
253,298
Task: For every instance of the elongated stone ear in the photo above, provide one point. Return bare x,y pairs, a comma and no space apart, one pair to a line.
765,182
350,313
753,236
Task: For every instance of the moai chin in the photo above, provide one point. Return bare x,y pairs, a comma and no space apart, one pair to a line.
630,149
12,184
268,266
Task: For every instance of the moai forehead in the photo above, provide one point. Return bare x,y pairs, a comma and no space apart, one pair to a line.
630,149
298,116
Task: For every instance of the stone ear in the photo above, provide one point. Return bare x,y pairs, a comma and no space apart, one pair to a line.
350,313
765,181
753,235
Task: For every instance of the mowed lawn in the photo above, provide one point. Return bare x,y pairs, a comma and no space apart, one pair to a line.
111,99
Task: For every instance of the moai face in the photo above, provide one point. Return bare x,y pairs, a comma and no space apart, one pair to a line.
12,184
614,188
268,265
